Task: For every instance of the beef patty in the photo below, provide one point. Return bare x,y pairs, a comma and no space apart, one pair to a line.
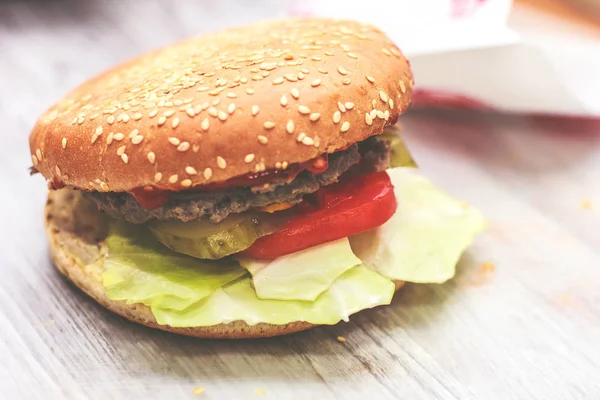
216,206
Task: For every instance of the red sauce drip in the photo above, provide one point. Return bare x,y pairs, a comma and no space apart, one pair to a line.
152,198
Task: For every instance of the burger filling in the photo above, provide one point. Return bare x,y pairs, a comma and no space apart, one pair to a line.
317,248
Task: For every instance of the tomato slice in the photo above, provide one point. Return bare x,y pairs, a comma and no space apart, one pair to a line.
345,208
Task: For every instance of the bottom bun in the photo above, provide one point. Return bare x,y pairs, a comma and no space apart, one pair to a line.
76,231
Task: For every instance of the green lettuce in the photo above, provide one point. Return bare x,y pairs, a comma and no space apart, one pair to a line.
303,275
355,290
138,269
425,238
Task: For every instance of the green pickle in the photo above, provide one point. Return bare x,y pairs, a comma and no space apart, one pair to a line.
400,156
203,239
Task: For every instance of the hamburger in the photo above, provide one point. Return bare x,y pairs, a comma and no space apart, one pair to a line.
246,183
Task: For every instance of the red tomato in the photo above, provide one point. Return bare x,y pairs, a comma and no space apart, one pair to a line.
343,209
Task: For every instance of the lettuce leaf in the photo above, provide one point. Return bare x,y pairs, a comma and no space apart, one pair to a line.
355,290
425,238
303,275
138,269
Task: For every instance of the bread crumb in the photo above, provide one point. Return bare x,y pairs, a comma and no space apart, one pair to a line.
487,267
586,204
341,339
198,390
259,391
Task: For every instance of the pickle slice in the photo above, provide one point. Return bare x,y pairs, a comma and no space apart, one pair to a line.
203,239
399,156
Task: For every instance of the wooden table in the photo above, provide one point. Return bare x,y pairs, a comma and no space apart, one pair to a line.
526,326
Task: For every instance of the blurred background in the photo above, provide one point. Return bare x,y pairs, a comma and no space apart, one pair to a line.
506,116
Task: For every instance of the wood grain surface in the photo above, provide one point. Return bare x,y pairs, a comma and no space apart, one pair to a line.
520,321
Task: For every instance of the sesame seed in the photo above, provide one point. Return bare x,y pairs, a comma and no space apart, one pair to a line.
137,116
133,133
341,106
386,52
104,186
300,75
173,178
368,119
249,91
342,71
386,114
186,183
231,108
341,339
174,141
305,70
337,116
346,81
283,101
278,81
38,153
284,165
329,53
244,80
345,127
202,89
303,109
373,113
383,96
158,177
231,95
109,138
137,139
374,103
308,141
169,113
151,114
380,114
151,157
290,126
184,146
315,83
125,118
269,125
57,170
119,136
195,148
316,58
300,137
349,105
291,77
263,139
121,150
395,51
162,120
221,163
190,112
249,158
295,93
99,130
177,102
125,158
205,124
370,79
351,55
213,112
222,115
175,123
190,170
94,138
402,87
64,142
322,70
207,173
314,116
255,109
215,92
277,165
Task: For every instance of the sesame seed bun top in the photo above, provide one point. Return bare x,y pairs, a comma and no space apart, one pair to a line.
238,101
